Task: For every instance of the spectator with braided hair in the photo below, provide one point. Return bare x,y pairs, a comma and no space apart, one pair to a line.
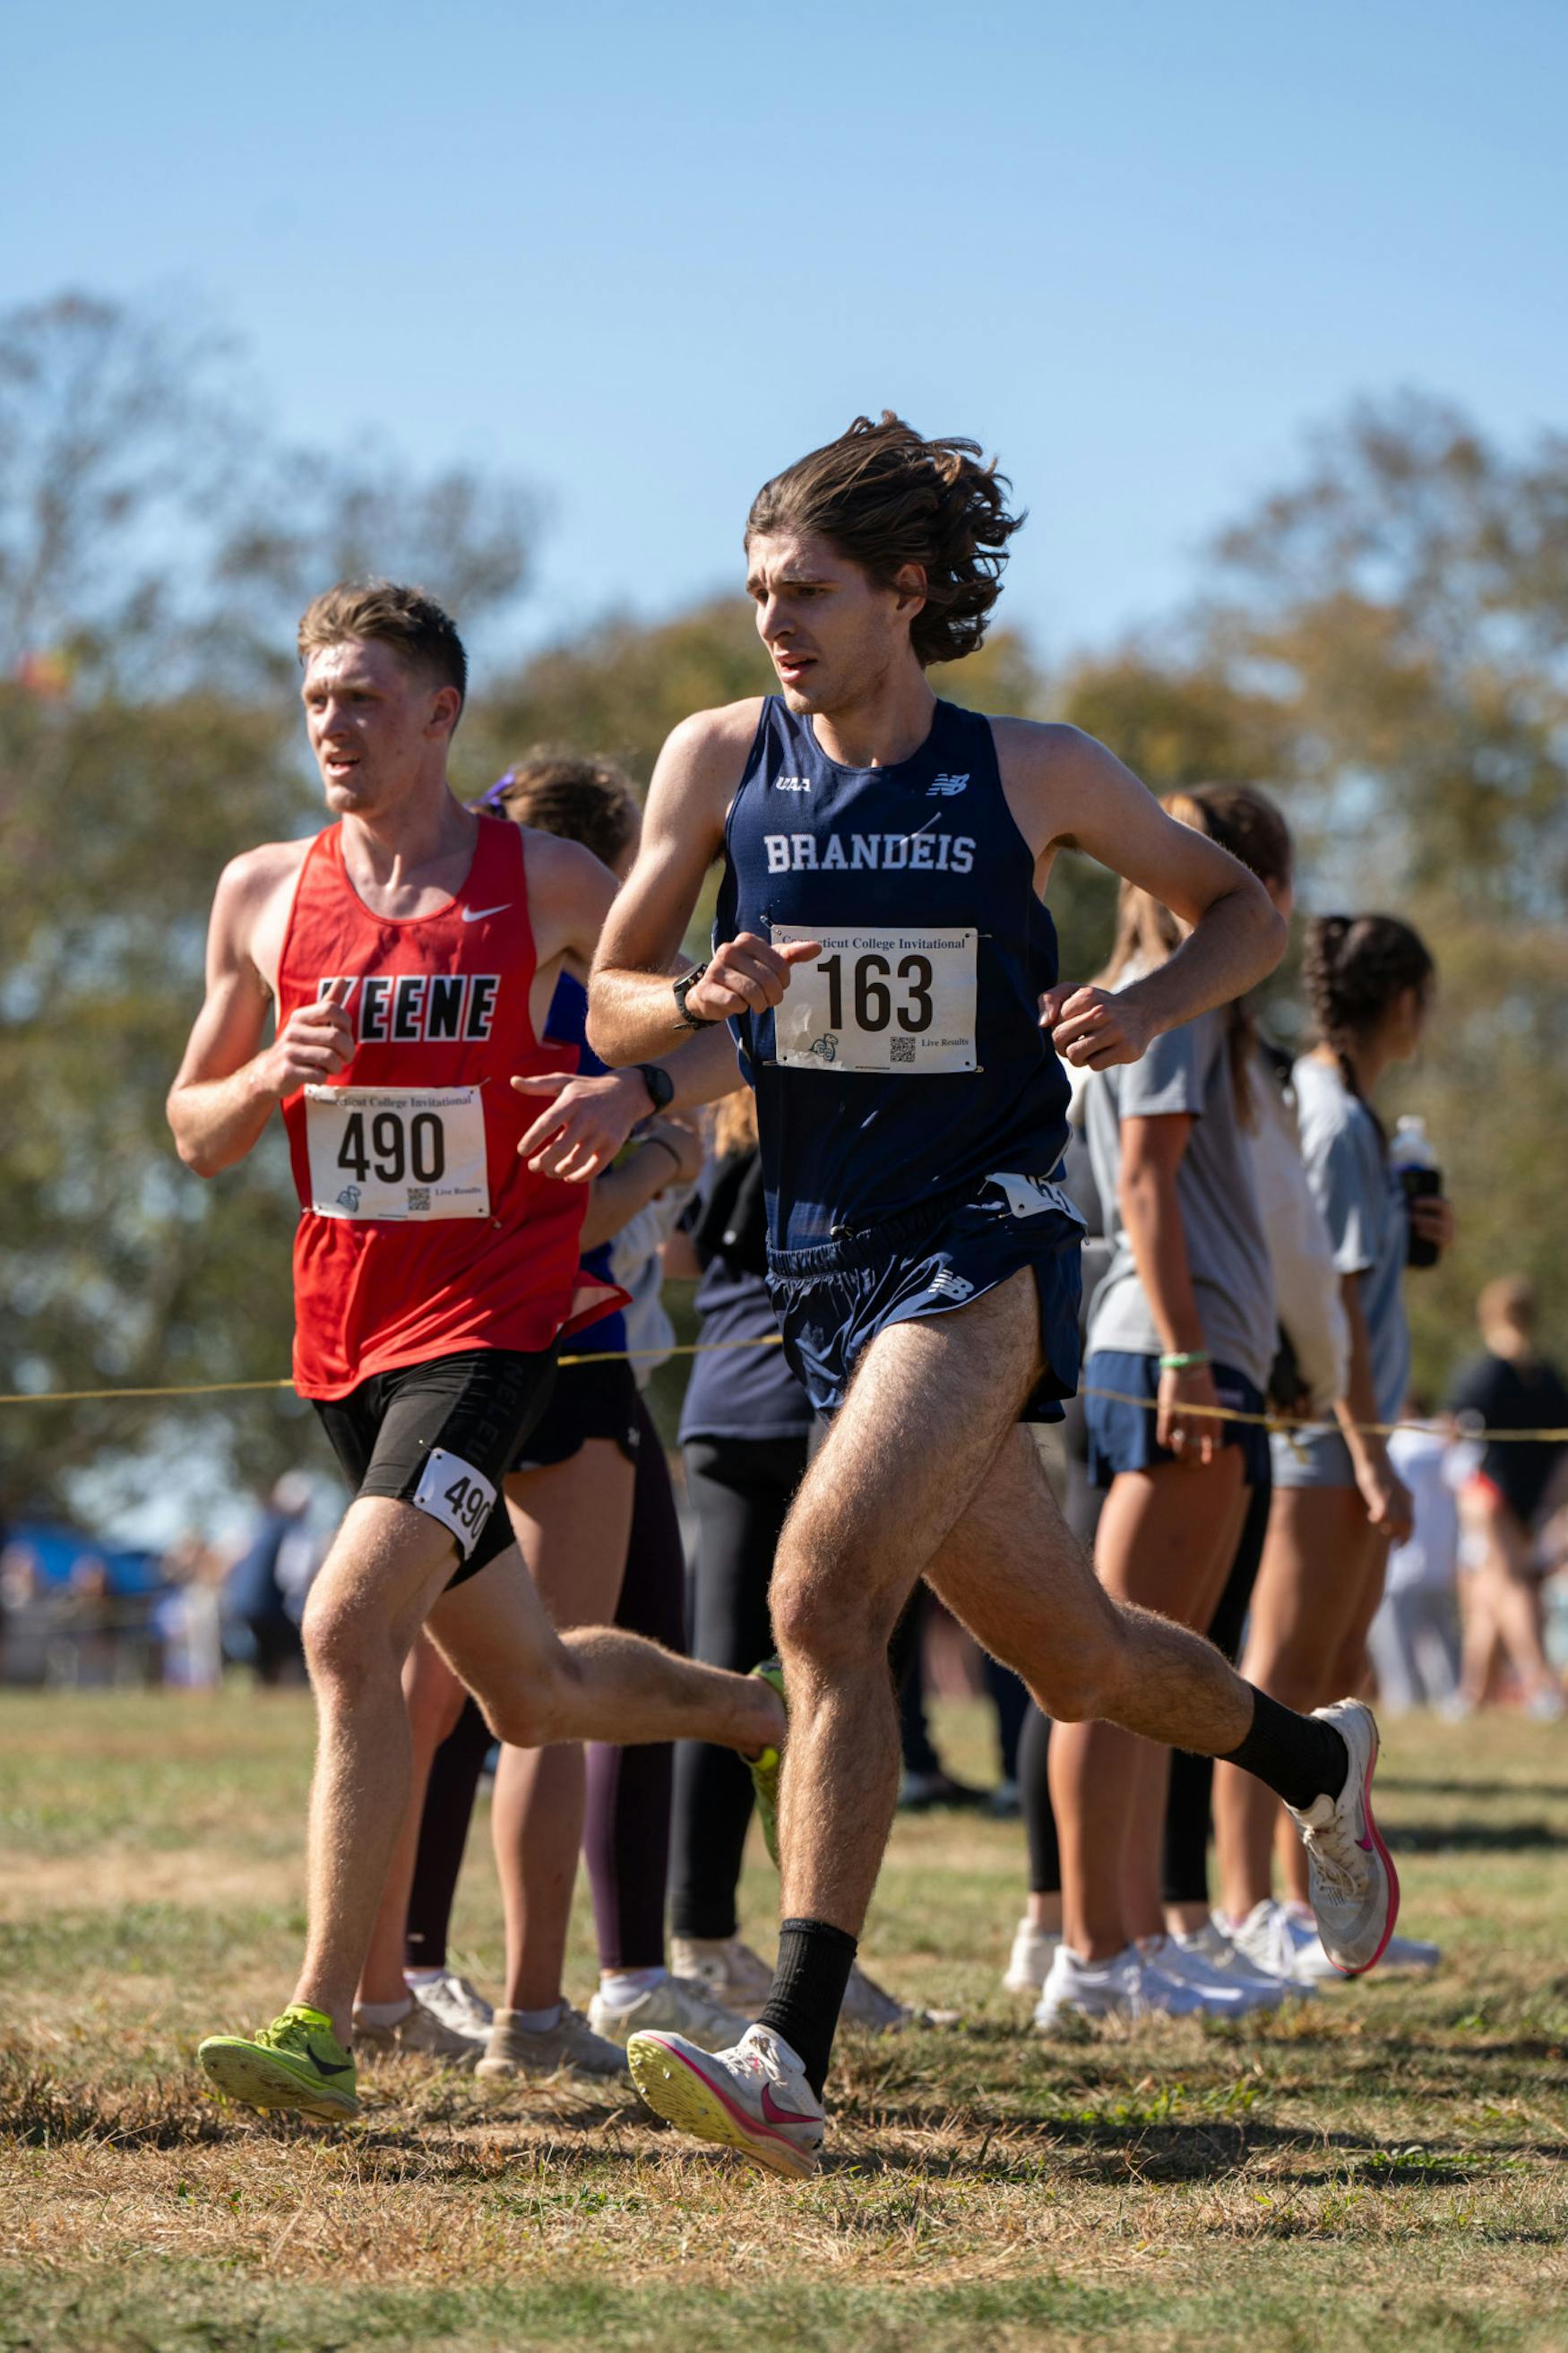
1338,1501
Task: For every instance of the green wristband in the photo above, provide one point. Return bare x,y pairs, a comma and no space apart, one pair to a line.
1185,1360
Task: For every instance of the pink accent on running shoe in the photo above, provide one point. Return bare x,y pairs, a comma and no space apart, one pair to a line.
746,2123
777,2115
1373,1843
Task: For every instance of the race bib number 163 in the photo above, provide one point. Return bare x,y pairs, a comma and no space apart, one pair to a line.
898,1003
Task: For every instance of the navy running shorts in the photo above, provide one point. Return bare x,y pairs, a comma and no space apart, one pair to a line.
833,1297
442,1436
590,1401
1121,1436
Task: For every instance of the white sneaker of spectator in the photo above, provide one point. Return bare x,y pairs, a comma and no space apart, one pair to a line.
454,2000
1186,1959
1029,1962
1280,1948
1127,1987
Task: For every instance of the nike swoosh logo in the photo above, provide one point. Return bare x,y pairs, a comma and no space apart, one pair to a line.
777,2115
478,914
324,2067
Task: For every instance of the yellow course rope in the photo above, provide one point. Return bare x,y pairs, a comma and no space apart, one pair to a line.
1285,1423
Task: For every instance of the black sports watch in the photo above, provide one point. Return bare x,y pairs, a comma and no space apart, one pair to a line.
683,988
659,1084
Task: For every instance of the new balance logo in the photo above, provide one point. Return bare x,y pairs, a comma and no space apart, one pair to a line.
948,1286
791,783
945,787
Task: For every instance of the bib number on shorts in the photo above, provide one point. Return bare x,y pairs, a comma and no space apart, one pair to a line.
898,1003
453,1492
396,1152
1031,1197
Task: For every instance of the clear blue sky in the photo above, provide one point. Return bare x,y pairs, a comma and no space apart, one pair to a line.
643,256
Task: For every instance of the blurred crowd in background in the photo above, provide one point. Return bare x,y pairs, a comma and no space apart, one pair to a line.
81,1613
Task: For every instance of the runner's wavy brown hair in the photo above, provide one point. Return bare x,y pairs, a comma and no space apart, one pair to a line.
585,800
387,613
884,496
1244,821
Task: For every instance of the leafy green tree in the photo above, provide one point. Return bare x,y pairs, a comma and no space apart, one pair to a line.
149,730
1403,604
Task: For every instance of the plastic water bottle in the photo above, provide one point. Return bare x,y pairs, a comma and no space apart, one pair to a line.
1415,1163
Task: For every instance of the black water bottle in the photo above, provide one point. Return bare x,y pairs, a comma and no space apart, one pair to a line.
1415,1163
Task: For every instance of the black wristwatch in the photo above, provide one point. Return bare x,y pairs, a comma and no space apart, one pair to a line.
683,988
659,1084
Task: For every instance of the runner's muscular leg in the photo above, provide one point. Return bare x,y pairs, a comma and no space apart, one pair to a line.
931,1402
593,1683
1016,1574
435,1699
387,1563
573,1521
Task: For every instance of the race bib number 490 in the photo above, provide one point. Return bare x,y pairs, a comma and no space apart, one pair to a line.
898,1003
396,1152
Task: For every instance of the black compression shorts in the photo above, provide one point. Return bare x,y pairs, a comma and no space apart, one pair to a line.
442,1436
590,1401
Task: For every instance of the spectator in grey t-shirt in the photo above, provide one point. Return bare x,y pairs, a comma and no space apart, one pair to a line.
1186,1073
1182,1319
1337,1500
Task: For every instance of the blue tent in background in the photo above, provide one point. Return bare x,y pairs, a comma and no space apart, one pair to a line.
59,1551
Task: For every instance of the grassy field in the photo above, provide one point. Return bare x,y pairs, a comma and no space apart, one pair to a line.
1391,2159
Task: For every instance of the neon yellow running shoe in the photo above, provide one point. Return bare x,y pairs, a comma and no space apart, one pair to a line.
295,2063
765,1770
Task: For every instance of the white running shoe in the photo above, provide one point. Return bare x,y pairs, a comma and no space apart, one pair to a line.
454,2002
1214,1944
675,2005
1185,1960
1350,1877
1124,1987
867,2004
418,2033
570,2047
1164,1978
727,1970
1410,1955
1029,1962
1281,1947
753,2098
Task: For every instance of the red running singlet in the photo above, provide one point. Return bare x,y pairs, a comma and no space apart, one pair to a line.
422,1233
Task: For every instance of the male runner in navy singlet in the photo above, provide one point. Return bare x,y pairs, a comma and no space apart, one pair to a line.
884,957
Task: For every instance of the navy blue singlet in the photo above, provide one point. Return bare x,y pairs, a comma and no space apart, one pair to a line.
909,1063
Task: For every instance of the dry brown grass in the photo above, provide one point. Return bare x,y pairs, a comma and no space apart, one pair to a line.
1393,2153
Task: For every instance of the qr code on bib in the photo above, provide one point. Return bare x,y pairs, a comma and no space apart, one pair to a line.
900,1050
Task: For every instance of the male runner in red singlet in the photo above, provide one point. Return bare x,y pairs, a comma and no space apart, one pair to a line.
409,953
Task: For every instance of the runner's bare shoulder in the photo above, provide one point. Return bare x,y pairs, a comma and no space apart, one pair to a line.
1048,767
705,756
251,906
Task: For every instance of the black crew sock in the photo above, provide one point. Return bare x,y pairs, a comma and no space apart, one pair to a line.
809,1978
1300,1757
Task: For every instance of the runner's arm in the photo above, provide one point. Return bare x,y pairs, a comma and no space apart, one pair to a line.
225,1089
632,1013
587,1120
1071,792
669,1153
